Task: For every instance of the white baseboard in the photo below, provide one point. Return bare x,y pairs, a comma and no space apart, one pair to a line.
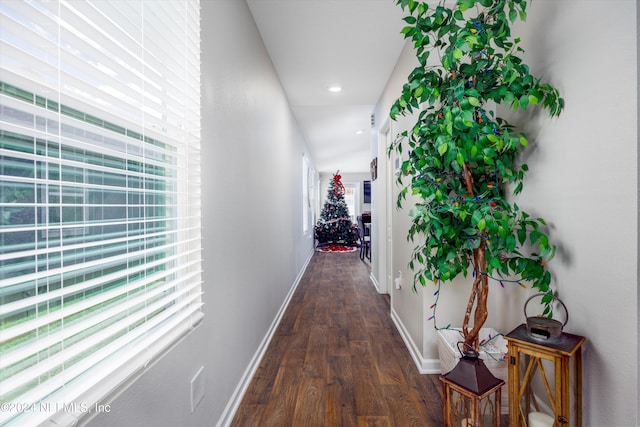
425,366
234,402
375,282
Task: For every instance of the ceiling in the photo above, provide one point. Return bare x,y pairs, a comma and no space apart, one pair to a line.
318,43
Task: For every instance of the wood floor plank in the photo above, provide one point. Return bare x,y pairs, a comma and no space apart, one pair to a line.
279,409
340,402
403,408
387,365
310,405
338,335
357,330
321,312
369,398
336,359
315,361
251,416
265,375
374,422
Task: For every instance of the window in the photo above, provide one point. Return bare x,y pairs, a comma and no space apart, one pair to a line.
352,199
99,197
308,194
366,192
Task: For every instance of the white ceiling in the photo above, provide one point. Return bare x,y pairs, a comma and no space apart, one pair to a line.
317,43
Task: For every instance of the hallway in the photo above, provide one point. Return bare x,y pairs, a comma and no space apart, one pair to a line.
337,359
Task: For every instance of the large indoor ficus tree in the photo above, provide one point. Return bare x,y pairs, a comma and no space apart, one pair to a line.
462,159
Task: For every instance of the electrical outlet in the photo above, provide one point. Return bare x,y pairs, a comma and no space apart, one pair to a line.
398,280
197,389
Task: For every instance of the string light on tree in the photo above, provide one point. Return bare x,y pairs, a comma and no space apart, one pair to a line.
463,158
334,225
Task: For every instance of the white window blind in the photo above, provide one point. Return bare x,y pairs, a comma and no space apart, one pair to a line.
100,263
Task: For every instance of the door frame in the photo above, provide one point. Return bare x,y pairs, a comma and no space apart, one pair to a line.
385,210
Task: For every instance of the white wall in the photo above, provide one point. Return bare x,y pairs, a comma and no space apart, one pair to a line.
252,216
584,181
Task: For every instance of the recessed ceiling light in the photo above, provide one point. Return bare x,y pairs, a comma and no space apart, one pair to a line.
359,132
335,88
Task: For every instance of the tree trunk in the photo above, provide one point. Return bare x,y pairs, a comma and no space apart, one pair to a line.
480,289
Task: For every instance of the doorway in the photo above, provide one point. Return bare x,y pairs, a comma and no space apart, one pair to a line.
384,211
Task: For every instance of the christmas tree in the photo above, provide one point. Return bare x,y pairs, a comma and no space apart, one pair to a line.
334,225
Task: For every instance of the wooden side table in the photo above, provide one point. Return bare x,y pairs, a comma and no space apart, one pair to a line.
526,355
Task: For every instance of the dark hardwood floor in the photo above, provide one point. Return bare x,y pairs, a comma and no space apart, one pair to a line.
337,359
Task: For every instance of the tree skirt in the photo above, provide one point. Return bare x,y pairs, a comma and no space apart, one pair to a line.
336,248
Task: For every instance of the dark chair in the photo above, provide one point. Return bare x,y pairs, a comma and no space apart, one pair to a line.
365,240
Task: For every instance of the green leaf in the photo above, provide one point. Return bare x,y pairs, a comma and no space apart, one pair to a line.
508,97
445,62
476,217
544,241
471,41
482,224
545,251
495,262
474,101
458,54
442,148
513,15
467,118
518,188
465,4
534,236
523,141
